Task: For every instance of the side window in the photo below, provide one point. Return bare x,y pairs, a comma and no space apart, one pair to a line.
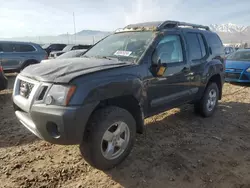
202,45
26,48
196,46
6,47
169,50
214,41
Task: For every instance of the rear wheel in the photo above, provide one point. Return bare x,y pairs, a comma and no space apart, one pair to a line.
26,65
110,138
209,101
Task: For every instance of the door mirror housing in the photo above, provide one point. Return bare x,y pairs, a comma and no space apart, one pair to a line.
158,69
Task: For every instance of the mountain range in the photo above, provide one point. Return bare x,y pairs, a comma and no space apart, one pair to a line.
229,33
232,33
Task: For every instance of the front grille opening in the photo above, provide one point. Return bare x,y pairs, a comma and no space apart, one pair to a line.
42,93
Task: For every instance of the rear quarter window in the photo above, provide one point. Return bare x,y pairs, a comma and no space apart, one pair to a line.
214,42
26,48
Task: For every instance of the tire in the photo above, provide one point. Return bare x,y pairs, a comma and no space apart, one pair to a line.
93,146
203,107
26,65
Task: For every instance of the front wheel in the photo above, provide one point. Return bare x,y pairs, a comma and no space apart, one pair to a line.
110,137
209,101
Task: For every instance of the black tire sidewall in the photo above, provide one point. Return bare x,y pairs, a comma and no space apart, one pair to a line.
95,156
205,112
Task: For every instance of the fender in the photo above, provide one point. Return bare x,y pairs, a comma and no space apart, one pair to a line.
126,81
212,68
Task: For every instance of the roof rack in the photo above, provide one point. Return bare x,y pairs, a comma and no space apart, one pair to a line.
173,24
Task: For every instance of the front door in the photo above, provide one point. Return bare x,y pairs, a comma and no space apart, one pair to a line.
171,89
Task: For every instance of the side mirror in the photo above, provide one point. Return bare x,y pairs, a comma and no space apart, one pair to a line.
158,69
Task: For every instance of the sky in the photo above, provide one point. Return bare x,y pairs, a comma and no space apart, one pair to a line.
19,18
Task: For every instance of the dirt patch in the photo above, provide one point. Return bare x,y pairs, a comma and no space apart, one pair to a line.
178,149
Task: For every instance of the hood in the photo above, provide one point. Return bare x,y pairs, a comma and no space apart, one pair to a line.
237,64
64,70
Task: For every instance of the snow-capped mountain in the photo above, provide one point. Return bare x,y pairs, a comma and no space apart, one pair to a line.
228,28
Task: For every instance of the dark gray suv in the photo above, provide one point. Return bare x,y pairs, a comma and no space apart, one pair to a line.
100,100
15,56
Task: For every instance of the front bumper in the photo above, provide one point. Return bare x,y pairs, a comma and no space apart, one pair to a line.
55,124
241,77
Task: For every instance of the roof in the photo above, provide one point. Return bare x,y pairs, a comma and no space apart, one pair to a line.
160,25
145,24
17,42
244,50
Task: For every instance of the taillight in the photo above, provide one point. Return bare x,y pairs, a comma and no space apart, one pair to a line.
1,69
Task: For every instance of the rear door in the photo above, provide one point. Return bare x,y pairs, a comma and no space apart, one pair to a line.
197,57
9,58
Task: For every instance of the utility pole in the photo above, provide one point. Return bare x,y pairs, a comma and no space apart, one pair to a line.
68,36
74,25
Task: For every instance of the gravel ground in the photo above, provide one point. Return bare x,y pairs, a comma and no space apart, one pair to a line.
178,149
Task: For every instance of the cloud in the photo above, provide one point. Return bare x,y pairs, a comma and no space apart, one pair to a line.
152,10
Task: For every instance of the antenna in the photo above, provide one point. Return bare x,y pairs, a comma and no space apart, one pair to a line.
74,26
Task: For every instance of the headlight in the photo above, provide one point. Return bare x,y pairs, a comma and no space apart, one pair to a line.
248,70
60,95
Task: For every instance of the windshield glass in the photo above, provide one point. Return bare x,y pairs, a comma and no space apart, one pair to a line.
70,54
67,48
127,46
240,56
45,46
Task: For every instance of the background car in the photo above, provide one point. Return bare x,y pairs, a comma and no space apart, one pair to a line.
229,50
238,66
15,56
71,54
53,47
3,79
67,49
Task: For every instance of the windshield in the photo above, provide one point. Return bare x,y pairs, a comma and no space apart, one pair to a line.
240,56
127,46
70,54
67,48
45,46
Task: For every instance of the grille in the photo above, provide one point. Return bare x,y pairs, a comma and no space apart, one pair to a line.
25,88
233,75
238,70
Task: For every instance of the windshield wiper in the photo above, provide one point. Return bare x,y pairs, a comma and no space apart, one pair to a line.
107,57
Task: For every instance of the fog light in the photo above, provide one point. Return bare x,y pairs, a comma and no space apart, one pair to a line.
53,130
